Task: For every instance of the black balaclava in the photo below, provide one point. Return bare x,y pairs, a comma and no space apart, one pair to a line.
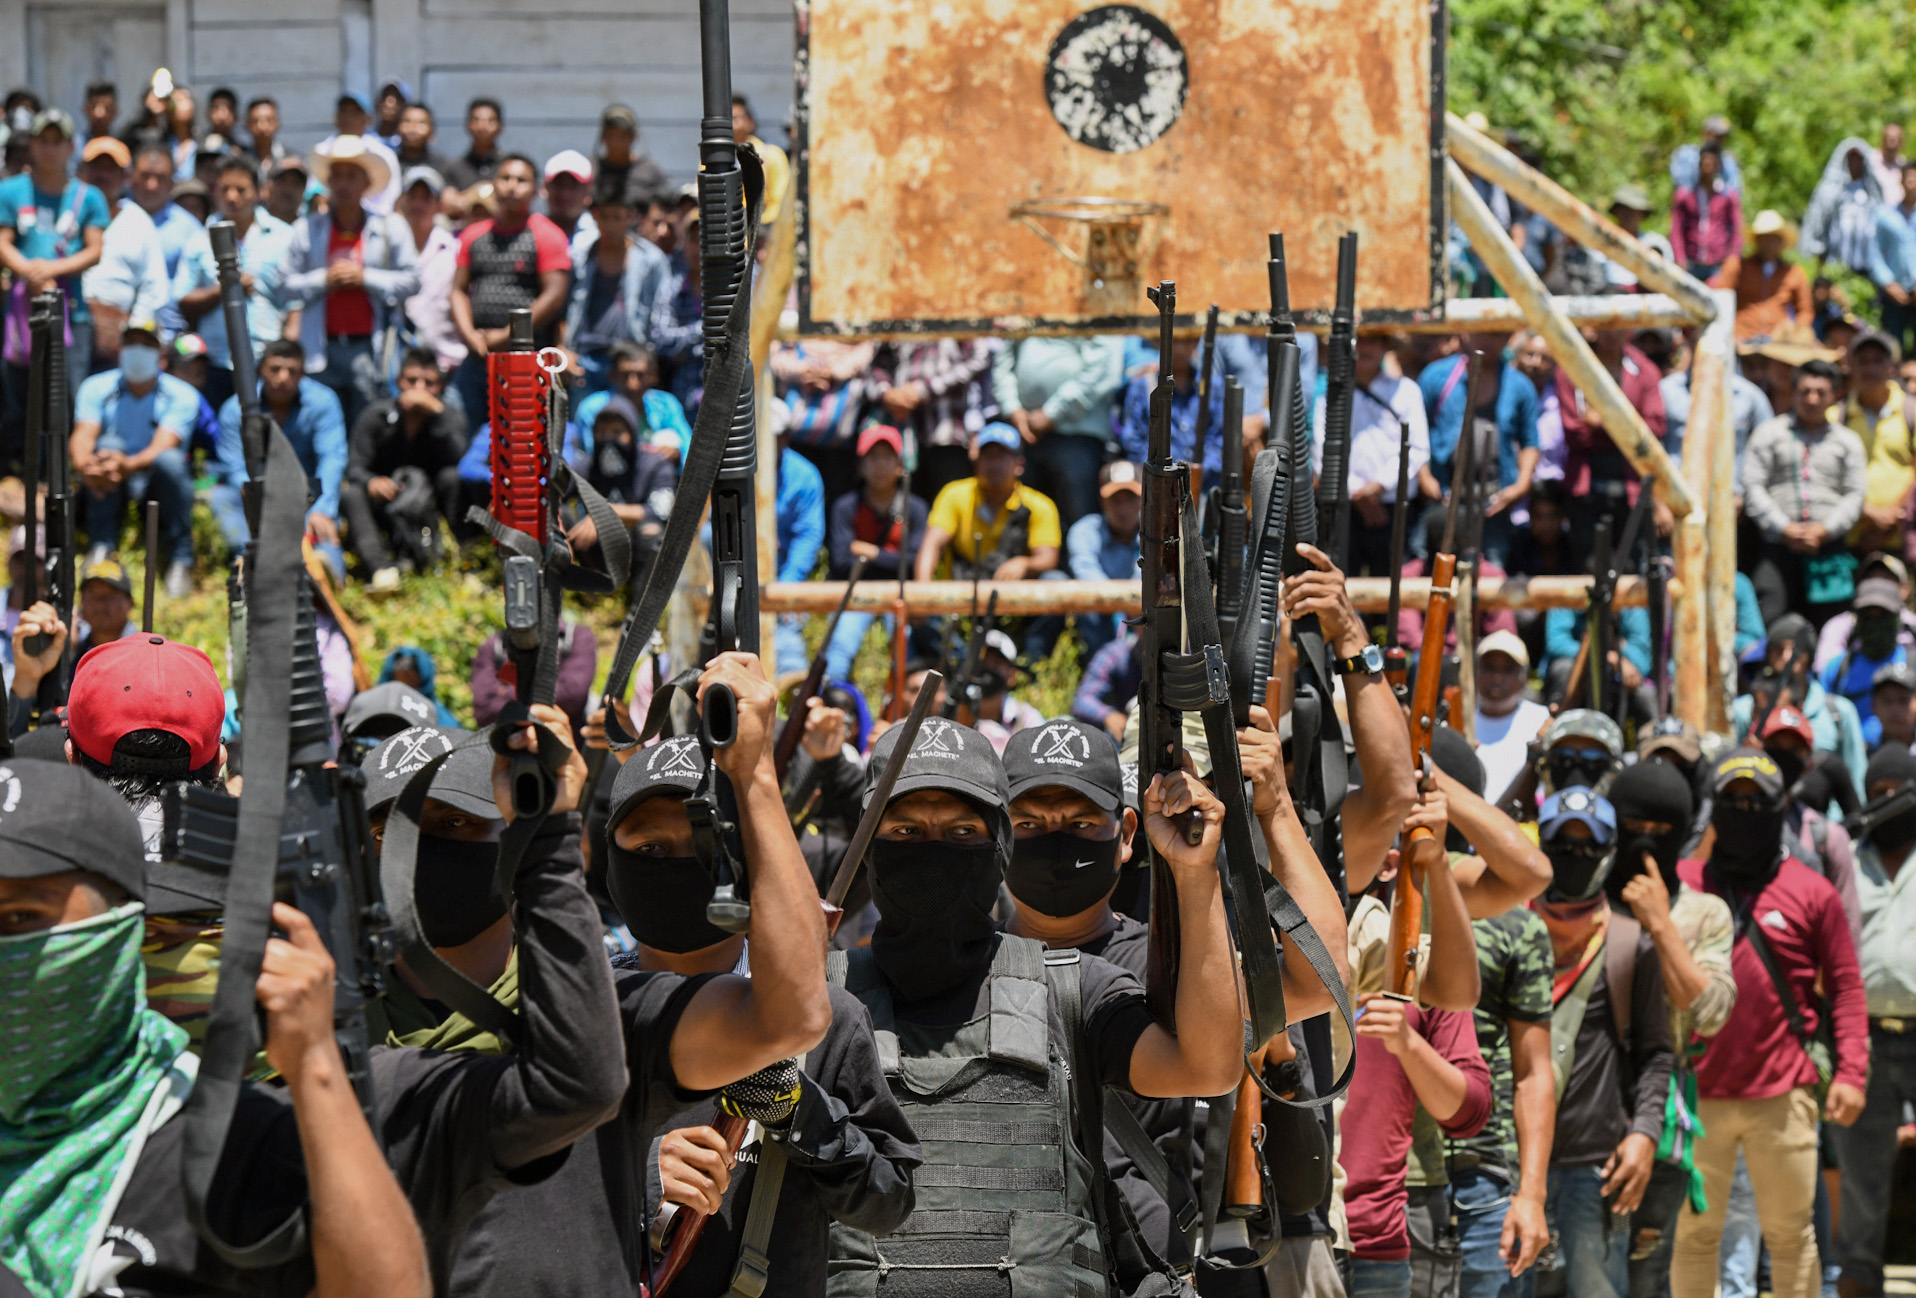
935,928
1656,791
662,899
1894,763
455,881
1876,633
456,889
1455,757
1749,842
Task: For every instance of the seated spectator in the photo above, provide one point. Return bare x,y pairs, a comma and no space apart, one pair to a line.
1507,720
821,383
515,260
1410,621
186,359
1803,481
578,660
616,281
1876,643
1600,480
1630,661
1104,546
1883,417
639,479
1057,394
429,311
999,714
1383,404
475,466
130,427
411,665
1517,410
106,603
1750,631
1110,684
1134,415
937,390
402,474
308,412
196,286
1771,294
568,195
1786,680
801,537
1891,693
865,524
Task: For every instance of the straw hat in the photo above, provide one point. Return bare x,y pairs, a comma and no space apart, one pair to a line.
1770,221
353,149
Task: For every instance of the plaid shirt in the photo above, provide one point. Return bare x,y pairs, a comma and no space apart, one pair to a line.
956,378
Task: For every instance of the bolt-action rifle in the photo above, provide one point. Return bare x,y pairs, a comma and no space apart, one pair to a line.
1422,852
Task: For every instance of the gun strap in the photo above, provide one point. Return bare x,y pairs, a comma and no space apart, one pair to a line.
233,1033
1199,682
725,371
1290,918
1171,1186
753,1270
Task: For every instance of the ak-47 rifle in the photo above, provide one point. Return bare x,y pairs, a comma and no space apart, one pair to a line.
298,833
1231,523
793,731
1592,667
1340,390
1422,852
49,429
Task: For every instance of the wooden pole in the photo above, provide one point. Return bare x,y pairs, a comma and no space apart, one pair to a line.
1625,426
1029,598
1720,570
770,287
1575,218
1690,650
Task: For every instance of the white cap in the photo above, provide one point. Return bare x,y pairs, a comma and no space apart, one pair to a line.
1507,643
569,162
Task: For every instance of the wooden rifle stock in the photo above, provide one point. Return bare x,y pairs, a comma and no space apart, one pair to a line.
1421,851
687,1224
1244,1181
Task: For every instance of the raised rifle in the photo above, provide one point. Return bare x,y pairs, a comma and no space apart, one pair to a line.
1422,852
47,444
1207,362
1396,661
967,691
152,564
900,632
785,747
1340,390
1599,634
1232,523
1871,815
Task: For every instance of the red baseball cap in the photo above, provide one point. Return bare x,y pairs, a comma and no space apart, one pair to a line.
1791,722
145,682
881,433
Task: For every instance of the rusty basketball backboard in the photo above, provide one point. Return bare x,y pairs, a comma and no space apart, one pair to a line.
942,145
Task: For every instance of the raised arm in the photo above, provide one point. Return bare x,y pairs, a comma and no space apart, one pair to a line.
1451,979
1508,869
735,1026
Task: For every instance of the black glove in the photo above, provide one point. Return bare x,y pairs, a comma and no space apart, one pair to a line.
768,1097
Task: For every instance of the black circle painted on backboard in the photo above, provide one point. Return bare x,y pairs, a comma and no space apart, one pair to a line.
1116,78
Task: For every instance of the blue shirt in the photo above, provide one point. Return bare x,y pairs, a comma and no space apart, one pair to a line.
1517,407
1444,385
801,516
48,227
127,421
1134,425
1093,554
1563,635
176,227
1850,676
316,426
259,256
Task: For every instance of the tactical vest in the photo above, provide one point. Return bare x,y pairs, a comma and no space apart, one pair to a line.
1005,1201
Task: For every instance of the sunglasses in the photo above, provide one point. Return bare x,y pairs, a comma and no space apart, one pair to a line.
1590,756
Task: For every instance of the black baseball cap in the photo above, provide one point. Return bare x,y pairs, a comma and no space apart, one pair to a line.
55,817
676,764
464,782
949,758
385,710
1069,754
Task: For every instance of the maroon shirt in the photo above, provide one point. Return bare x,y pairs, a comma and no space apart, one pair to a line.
1377,1128
1755,1056
1590,455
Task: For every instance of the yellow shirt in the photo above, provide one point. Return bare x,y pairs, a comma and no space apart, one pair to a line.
778,179
959,513
1887,467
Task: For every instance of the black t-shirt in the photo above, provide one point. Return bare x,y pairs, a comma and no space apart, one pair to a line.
470,168
562,1237
849,1157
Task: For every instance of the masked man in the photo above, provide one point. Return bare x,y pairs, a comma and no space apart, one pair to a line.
992,1034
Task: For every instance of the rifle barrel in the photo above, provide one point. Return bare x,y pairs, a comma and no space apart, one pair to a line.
881,793
1399,520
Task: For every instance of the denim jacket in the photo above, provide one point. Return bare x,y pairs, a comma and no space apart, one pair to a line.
392,275
639,288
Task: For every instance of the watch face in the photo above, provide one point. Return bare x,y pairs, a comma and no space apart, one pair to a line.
1373,658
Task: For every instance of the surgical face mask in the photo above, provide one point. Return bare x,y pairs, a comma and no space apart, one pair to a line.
456,889
73,995
934,912
1578,868
140,364
1062,874
662,900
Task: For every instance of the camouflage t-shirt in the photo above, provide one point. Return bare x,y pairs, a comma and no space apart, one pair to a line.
1515,968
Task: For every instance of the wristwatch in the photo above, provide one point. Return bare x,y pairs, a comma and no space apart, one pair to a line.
1369,662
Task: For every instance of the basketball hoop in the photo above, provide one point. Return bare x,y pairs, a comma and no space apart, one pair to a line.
1114,246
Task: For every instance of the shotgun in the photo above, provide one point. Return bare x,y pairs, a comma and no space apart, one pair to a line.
47,331
1422,852
1232,524
1396,661
1333,486
793,731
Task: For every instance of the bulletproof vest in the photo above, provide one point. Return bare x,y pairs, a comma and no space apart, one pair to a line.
1005,1200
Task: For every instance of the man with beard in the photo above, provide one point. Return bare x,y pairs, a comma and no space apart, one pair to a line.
1867,1151
1758,1083
1692,935
847,1154
583,1229
1003,1049
1610,1033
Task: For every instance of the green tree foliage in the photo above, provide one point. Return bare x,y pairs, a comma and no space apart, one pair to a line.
1605,91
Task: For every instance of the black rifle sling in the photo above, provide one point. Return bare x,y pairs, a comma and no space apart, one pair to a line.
1290,917
1171,1186
1198,682
724,381
233,1031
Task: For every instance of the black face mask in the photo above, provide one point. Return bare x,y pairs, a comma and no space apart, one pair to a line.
1876,635
1061,874
993,683
1749,841
934,913
662,899
456,889
1664,849
1578,868
1790,762
1897,834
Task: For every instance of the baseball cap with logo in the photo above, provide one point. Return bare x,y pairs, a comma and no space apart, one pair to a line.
1065,753
1789,721
1577,803
463,783
569,162
1748,764
1678,738
1120,475
998,433
55,817
146,682
1584,723
671,765
947,757
386,709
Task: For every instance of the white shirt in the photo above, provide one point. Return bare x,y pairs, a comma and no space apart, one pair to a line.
1374,435
131,272
1504,742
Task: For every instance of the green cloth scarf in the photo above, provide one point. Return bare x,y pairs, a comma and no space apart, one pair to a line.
80,1058
410,1021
